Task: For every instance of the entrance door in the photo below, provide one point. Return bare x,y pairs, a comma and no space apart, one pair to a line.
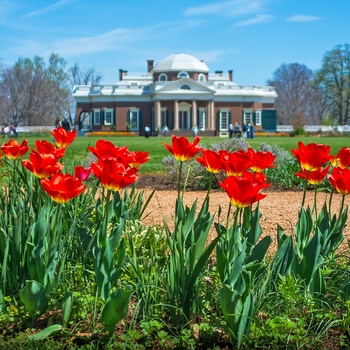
184,120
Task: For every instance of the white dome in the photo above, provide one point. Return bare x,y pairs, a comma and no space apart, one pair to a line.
181,62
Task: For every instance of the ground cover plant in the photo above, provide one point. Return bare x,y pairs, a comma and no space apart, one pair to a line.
79,269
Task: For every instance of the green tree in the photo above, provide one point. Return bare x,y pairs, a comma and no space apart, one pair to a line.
334,81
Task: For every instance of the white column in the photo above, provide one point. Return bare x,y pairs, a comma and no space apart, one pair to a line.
158,109
212,119
194,112
176,115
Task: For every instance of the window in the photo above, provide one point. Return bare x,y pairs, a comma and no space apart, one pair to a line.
97,116
182,75
134,119
258,118
247,117
109,116
223,120
201,77
163,77
185,87
201,119
163,118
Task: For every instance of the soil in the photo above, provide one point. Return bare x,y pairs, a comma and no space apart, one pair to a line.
279,207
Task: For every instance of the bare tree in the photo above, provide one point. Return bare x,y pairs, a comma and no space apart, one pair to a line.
34,92
334,81
298,98
80,76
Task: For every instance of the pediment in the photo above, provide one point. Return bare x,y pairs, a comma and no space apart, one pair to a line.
183,85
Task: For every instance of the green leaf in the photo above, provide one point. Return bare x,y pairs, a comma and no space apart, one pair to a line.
115,309
46,332
34,299
67,308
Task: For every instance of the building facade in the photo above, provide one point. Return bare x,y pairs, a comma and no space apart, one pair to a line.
178,93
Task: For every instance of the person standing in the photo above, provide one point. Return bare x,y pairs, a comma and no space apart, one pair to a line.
230,129
251,130
65,124
195,130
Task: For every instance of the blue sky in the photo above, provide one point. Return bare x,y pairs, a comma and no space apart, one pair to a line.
251,37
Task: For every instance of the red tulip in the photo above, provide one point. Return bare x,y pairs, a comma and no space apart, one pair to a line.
81,173
112,174
315,177
42,165
45,147
14,150
235,163
63,138
243,191
340,179
312,156
182,149
211,161
342,159
106,148
62,188
261,160
136,159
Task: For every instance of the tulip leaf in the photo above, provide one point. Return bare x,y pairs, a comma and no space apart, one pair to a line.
115,309
34,299
67,308
46,332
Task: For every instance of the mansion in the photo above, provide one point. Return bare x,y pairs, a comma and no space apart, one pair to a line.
177,92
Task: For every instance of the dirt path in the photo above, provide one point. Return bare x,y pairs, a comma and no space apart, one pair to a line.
277,208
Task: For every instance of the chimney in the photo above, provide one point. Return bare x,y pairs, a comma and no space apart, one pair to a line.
219,73
120,74
230,74
149,65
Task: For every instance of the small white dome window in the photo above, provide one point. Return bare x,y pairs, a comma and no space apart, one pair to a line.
201,77
163,77
182,75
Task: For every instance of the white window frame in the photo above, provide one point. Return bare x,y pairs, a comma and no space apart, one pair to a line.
162,77
108,110
134,113
258,115
247,116
224,113
201,77
163,111
182,74
202,118
97,113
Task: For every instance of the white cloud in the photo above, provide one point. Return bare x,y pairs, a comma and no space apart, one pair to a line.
231,8
79,46
303,18
255,20
47,9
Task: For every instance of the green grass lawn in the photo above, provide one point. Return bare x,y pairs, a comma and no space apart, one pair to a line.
77,152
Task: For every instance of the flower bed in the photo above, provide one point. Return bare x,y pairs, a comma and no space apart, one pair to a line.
75,249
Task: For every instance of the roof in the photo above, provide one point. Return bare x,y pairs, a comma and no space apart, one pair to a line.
181,62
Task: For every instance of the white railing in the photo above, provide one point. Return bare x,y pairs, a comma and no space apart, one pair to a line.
315,128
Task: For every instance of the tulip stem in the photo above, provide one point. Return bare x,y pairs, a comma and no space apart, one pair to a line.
315,202
342,205
211,175
305,188
179,180
330,203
